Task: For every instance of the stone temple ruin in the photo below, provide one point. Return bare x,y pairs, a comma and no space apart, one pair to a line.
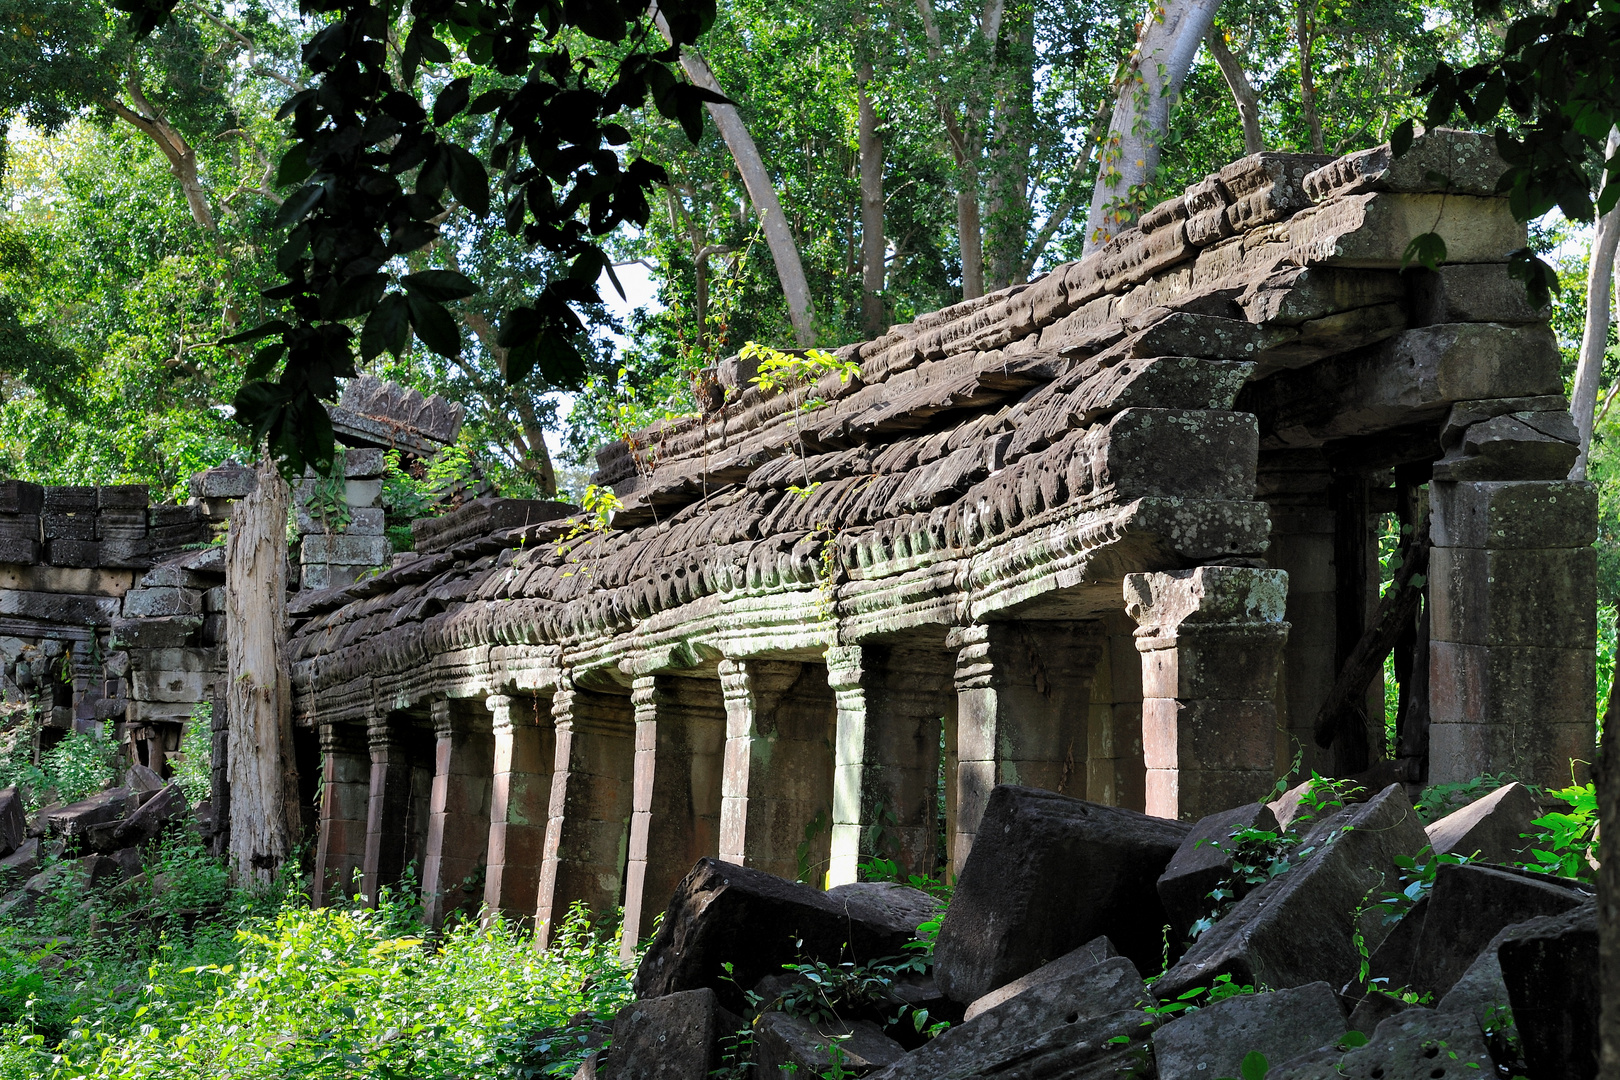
1114,534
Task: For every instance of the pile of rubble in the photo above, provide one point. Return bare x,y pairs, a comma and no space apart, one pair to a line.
90,844
1064,904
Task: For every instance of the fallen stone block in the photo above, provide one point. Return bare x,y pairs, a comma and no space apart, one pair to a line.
723,913
140,778
22,863
1060,1028
75,819
1298,928
792,1048
887,902
1438,939
1046,874
1202,862
1418,1044
1213,1041
1551,972
163,809
13,822
1067,966
1481,991
673,1037
1492,828
74,875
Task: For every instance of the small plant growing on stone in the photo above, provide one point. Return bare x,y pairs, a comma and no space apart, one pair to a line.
1254,1067
1567,845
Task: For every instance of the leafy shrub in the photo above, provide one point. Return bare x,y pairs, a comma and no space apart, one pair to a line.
194,772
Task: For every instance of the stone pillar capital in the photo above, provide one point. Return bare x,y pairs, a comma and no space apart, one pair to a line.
1211,600
587,713
845,666
443,717
341,739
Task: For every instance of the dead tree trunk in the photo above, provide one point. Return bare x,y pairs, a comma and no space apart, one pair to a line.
263,776
874,319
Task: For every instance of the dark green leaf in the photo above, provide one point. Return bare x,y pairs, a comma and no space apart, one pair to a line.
263,362
1425,248
263,330
298,207
439,285
387,329
1255,1066
469,182
434,324
451,100
1400,140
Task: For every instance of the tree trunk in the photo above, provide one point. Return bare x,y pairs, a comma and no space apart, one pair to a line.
1608,798
262,769
1164,54
1008,218
1595,336
1305,30
874,320
761,192
1243,92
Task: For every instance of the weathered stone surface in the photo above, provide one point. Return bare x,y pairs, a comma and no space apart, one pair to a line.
1046,874
384,414
886,903
1514,515
1418,1044
148,603
1374,230
166,807
1213,1041
1297,928
1551,971
482,517
792,1048
13,822
22,863
1061,1028
1477,292
1065,967
21,497
1202,861
1444,159
168,632
1513,446
228,481
757,922
75,819
346,548
1467,907
363,462
673,1037
1493,828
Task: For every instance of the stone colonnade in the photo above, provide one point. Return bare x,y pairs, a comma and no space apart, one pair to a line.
603,792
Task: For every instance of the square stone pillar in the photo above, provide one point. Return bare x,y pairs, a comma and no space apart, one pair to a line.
1115,773
777,788
391,839
458,818
525,750
1211,640
1023,703
1513,625
890,703
680,754
588,832
345,792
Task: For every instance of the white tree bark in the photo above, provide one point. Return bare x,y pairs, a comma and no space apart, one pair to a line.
1165,52
262,771
761,192
1595,335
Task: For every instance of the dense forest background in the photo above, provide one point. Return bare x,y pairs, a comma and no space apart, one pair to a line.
921,151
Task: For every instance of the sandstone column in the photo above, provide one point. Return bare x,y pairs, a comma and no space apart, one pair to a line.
389,805
776,805
587,833
525,749
458,817
1211,640
680,750
1512,651
345,792
1023,701
890,701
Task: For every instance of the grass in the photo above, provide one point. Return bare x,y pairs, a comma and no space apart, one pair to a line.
174,975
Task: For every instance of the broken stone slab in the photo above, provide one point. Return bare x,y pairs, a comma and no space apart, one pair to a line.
1481,990
1513,446
1551,971
75,819
1213,1041
1418,1044
1492,829
165,808
887,903
1067,966
1442,159
75,875
140,778
728,914
792,1048
1062,1028
1203,861
13,821
1432,947
1298,928
1048,873
673,1037
1266,187
1373,230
